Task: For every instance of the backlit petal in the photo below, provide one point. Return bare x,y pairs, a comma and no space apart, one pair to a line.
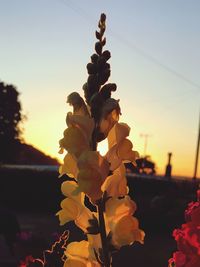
84,123
71,207
116,184
108,122
125,151
118,133
126,231
81,252
75,263
82,221
90,181
113,158
93,159
69,189
119,207
78,249
69,167
63,217
74,141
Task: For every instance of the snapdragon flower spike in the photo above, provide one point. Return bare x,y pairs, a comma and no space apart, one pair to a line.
101,178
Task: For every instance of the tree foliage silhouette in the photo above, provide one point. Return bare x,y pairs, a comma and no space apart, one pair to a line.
10,117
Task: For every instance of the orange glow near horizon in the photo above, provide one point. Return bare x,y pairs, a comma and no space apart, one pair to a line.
47,140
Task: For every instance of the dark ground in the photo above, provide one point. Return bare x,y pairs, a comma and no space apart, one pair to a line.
155,252
34,198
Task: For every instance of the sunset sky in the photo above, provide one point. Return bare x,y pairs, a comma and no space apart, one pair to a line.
46,44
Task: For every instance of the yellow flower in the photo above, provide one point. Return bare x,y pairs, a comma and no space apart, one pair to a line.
119,207
84,123
119,220
109,116
116,184
125,232
120,148
70,190
73,208
93,169
108,122
80,254
74,141
90,181
93,160
69,166
77,136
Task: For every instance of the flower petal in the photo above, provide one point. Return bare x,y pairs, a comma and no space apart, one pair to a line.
121,152
70,190
90,181
119,132
75,263
116,184
108,122
119,207
83,253
82,221
69,167
63,217
126,231
93,159
69,212
74,141
84,123
125,152
78,250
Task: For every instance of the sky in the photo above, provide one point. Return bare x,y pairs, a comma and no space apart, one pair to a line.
46,44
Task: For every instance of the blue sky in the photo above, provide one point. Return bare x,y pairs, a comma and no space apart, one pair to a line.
45,46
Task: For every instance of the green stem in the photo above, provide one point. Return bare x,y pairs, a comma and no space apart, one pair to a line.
105,250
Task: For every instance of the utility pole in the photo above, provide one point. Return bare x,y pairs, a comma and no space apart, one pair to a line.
197,152
145,136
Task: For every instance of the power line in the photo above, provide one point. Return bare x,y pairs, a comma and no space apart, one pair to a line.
131,45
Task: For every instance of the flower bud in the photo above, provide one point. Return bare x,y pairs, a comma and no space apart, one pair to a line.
98,48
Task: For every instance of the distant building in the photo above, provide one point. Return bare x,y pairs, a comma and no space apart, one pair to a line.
168,170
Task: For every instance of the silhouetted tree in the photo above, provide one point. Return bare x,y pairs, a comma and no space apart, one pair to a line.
10,116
